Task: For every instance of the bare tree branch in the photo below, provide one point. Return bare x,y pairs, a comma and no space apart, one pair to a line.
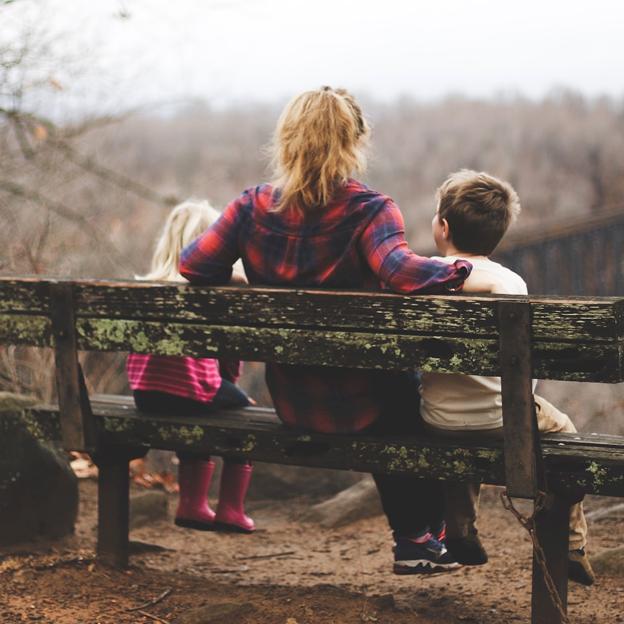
58,140
90,165
20,191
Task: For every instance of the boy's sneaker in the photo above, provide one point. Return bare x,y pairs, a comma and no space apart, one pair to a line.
467,550
439,532
579,568
428,557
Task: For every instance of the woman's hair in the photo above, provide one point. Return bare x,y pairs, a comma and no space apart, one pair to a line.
318,144
183,225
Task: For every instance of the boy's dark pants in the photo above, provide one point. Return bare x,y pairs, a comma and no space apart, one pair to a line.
412,505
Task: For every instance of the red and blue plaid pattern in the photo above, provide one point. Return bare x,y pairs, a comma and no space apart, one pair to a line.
358,241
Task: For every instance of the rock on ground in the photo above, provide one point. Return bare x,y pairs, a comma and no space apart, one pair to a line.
147,507
355,503
277,482
38,490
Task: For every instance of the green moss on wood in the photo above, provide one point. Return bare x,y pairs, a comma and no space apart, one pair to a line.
18,329
599,473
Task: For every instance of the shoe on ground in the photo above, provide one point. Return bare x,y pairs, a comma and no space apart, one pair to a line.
429,557
579,568
467,550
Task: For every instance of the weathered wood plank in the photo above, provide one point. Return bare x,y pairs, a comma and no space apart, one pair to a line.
113,510
597,362
579,319
571,465
20,329
552,529
24,295
465,342
77,419
573,362
522,447
560,319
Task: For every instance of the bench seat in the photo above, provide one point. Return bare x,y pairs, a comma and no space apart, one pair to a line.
588,463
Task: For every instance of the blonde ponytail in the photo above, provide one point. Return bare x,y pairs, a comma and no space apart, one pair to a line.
318,144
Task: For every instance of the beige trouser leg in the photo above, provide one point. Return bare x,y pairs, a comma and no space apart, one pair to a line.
462,499
551,420
462,505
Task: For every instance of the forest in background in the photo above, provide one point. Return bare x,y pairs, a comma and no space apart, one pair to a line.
95,193
86,197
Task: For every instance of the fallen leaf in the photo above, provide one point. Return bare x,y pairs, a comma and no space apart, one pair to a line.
40,132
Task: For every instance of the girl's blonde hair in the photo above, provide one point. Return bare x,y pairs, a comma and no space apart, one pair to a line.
319,143
183,225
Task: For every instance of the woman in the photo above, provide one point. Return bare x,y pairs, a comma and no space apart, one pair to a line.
317,226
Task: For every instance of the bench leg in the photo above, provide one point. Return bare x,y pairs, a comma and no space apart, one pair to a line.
113,510
552,528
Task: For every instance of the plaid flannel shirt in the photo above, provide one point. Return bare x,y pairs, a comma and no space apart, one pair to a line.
357,241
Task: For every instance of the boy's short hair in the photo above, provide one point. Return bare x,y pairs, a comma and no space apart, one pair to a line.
478,208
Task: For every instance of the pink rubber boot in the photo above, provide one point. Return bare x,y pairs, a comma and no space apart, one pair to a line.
231,515
194,476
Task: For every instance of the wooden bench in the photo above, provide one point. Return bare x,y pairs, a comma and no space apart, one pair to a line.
519,338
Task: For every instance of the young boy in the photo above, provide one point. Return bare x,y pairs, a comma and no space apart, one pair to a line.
473,213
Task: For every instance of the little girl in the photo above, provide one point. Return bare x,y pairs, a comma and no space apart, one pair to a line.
189,385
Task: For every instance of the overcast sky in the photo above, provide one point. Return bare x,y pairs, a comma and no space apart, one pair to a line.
224,50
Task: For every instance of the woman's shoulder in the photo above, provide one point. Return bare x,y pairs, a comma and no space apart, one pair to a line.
366,198
261,197
365,192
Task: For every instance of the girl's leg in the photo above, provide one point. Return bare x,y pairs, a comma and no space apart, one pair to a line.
235,479
236,475
194,472
194,477
229,395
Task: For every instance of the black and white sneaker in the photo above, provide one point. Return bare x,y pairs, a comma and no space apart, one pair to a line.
428,557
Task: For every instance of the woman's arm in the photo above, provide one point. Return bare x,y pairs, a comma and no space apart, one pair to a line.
209,258
385,249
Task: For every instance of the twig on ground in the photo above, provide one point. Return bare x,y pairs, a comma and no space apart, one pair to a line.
154,601
153,617
604,512
228,570
284,553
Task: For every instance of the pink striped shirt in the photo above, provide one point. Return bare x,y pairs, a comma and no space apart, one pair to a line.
198,379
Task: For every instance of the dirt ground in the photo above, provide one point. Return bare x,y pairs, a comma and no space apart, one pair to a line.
289,572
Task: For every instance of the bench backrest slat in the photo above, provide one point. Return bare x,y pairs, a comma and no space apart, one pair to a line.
573,339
